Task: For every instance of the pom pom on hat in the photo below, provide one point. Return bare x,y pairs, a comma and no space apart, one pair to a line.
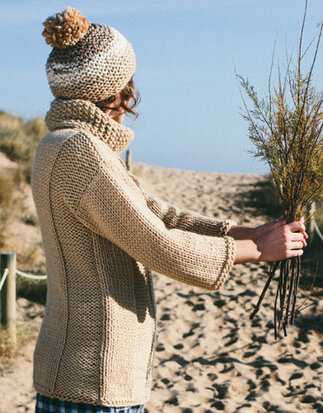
65,28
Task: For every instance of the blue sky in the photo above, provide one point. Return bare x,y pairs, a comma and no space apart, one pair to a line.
190,116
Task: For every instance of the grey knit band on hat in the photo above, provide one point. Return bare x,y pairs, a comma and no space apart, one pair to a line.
98,65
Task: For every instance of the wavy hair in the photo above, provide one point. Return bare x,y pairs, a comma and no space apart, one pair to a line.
129,99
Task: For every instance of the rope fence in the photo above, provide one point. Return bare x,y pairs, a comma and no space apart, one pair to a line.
8,297
23,274
4,277
31,276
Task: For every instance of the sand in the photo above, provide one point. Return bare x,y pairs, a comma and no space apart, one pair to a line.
210,357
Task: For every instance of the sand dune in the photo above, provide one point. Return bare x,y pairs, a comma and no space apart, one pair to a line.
210,357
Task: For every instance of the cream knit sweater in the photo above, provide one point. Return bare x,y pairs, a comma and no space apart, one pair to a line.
102,234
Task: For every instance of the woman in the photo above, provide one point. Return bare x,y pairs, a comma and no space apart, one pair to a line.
103,232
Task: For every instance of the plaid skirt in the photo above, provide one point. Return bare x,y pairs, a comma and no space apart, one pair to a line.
45,404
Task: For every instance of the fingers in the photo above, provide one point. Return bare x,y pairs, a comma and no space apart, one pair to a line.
294,253
303,230
296,236
294,249
305,234
296,245
296,226
300,237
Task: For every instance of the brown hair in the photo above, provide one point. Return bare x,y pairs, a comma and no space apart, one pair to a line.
129,99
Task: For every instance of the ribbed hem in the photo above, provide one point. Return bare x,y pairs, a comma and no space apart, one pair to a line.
103,402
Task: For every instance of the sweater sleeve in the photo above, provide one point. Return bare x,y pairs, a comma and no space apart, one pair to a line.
184,219
113,207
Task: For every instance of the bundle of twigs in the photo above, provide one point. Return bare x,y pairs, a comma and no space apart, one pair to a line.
286,129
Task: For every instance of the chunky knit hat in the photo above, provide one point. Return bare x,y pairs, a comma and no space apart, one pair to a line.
88,61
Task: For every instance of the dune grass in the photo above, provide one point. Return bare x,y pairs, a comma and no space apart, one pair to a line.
24,334
18,140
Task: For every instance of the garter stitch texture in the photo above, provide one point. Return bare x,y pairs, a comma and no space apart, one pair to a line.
85,115
97,66
103,234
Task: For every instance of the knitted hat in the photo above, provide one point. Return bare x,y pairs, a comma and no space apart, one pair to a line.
88,61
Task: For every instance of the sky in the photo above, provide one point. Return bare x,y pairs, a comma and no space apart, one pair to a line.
187,51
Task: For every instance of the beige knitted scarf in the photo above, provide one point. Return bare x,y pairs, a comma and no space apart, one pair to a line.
78,113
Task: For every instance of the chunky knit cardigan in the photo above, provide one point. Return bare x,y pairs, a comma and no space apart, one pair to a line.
103,234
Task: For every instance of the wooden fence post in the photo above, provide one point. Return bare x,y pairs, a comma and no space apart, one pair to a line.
128,160
310,224
8,294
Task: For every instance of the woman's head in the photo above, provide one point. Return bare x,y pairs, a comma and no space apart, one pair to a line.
121,103
92,62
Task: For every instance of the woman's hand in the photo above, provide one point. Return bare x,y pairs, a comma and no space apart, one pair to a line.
280,243
283,242
252,232
244,232
261,230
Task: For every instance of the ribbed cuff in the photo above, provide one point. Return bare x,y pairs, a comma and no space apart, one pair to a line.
226,225
228,264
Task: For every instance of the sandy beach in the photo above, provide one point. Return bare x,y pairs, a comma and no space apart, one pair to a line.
210,357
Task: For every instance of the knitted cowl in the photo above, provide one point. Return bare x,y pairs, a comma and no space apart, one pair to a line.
78,113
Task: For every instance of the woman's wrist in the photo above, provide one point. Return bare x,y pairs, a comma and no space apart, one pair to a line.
246,251
243,232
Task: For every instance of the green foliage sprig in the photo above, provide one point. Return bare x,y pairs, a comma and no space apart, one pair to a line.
286,130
